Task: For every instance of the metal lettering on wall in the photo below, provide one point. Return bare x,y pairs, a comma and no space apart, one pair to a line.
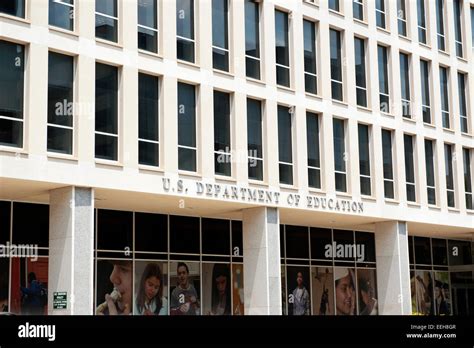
236,193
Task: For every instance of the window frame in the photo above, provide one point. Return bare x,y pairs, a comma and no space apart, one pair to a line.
72,8
155,30
115,19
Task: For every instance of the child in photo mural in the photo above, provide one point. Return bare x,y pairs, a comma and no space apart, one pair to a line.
149,299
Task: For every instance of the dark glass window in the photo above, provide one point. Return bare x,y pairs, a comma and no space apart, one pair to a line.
425,91
421,21
459,252
336,64
12,65
440,25
384,89
106,112
422,251
186,127
405,84
448,164
430,171
364,160
312,138
237,239
222,144
409,168
30,224
410,249
60,103
402,17
13,7
61,14
320,239
148,25
366,239
220,34
114,230
5,221
358,9
254,138
380,13
457,7
339,154
151,232
215,237
106,20
443,80
297,242
344,238
440,251
285,148
388,180
310,77
184,235
466,154
282,48
252,39
462,82
148,120
360,75
185,30
334,5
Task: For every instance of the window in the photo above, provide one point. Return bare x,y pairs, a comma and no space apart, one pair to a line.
387,153
402,17
472,23
409,168
282,48
364,160
187,127
360,74
148,25
222,143
13,7
466,154
148,120
185,30
220,34
430,171
254,139
405,84
425,91
384,90
334,5
448,161
310,77
106,20
336,64
252,39
380,13
443,80
358,9
285,148
422,35
106,112
12,67
462,82
339,154
61,14
440,25
60,103
312,138
457,4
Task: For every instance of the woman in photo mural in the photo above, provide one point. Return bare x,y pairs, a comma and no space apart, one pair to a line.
149,299
119,301
221,302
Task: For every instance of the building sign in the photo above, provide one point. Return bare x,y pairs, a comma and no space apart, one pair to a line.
242,194
59,300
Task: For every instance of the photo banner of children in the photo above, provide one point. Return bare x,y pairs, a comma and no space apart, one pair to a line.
344,281
238,289
323,290
422,293
151,288
299,297
367,291
442,295
185,288
216,284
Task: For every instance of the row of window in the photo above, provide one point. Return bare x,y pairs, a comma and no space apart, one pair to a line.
61,129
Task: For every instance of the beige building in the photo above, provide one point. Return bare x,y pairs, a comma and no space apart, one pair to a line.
303,124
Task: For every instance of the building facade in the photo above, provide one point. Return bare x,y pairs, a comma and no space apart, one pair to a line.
238,156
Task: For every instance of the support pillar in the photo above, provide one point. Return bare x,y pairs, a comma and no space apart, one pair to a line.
393,268
71,249
262,278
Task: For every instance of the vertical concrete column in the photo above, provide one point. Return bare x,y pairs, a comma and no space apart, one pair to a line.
262,279
71,249
393,270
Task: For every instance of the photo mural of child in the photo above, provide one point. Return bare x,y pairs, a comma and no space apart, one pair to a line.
150,296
